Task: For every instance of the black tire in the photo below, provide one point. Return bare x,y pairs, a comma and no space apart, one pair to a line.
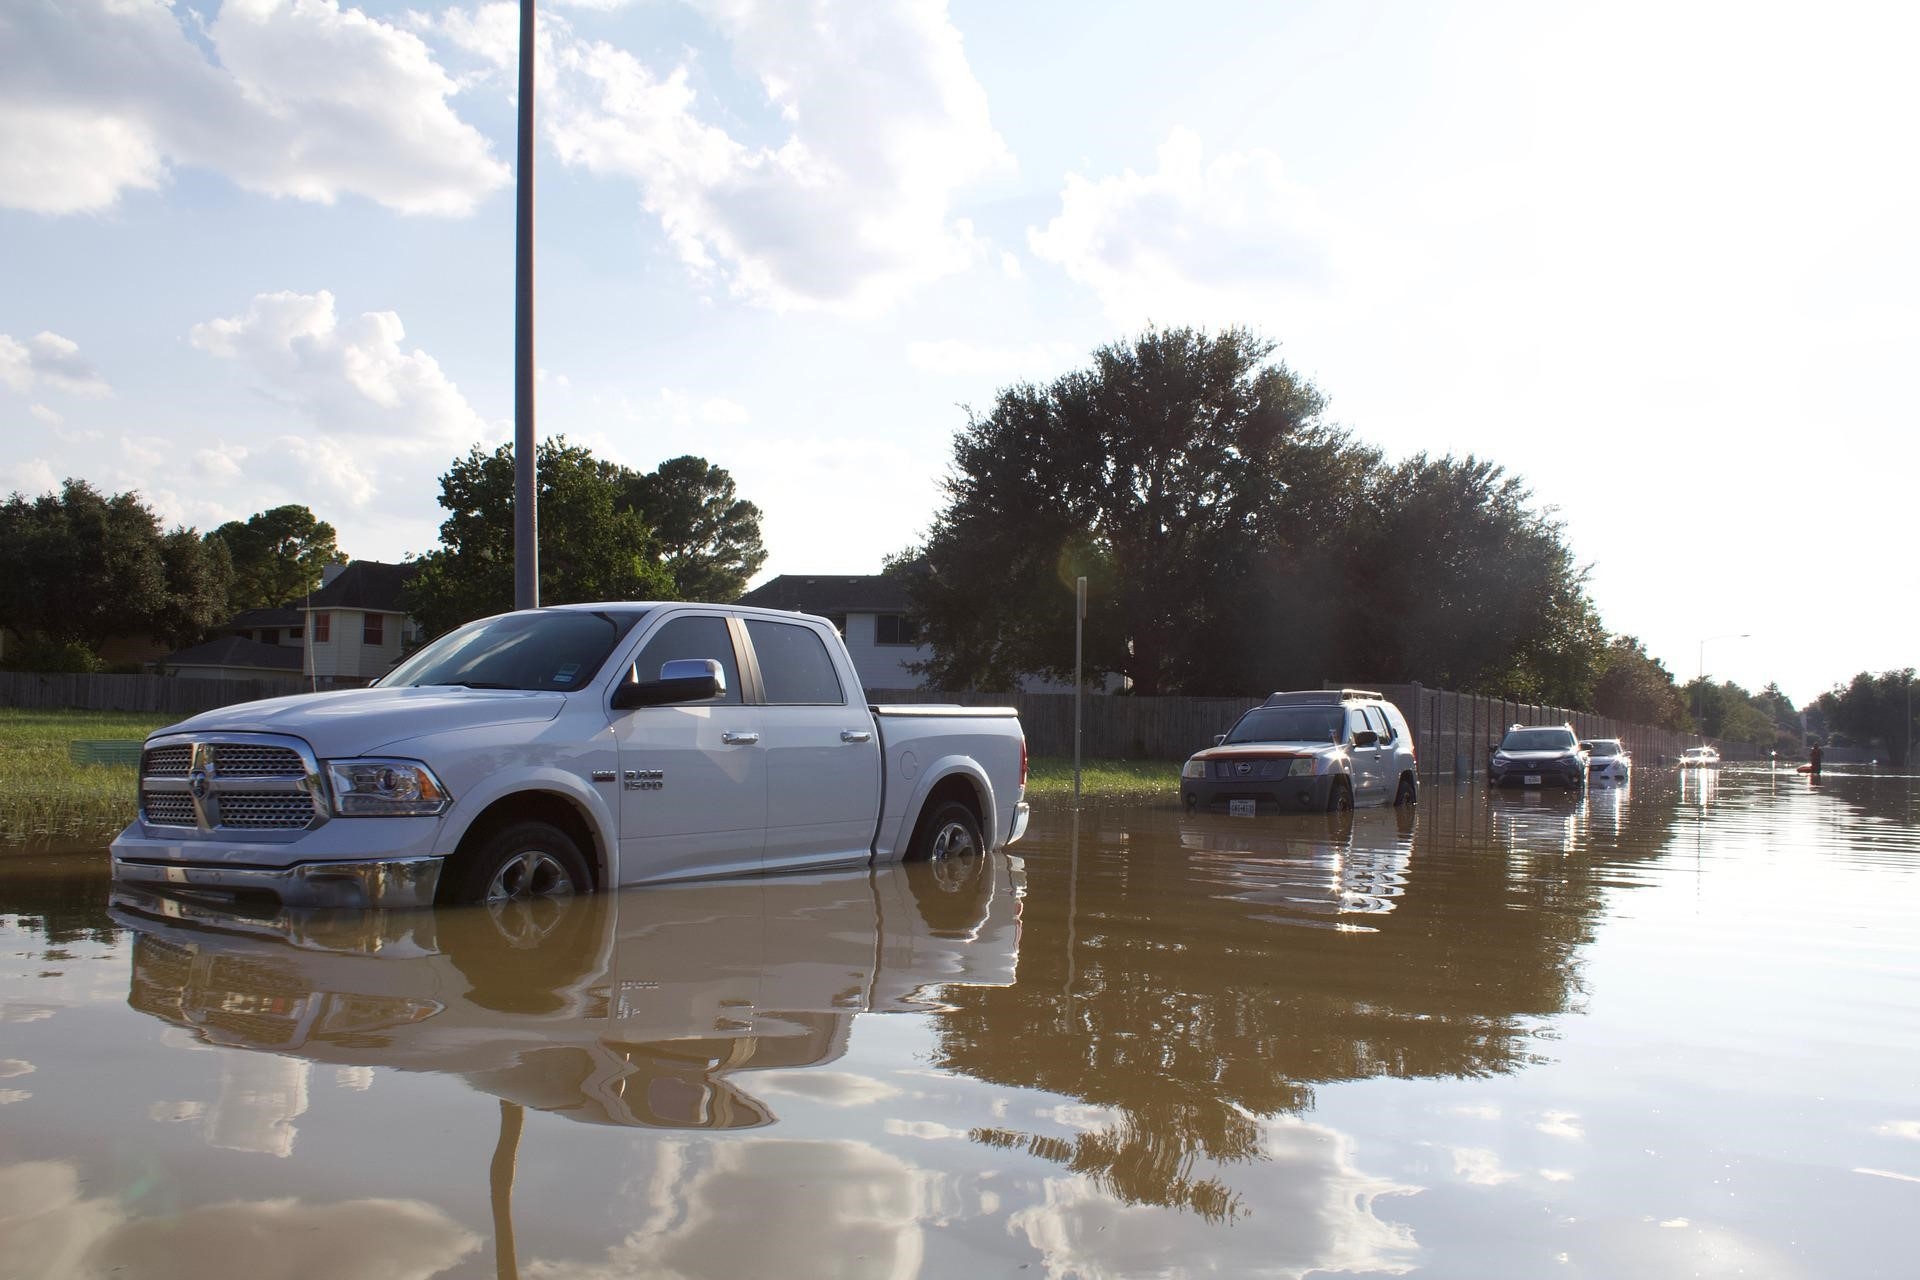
1408,793
949,830
523,860
1340,796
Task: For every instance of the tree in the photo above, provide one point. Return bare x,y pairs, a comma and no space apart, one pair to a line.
593,546
1637,688
1153,473
709,539
1874,712
1232,541
85,568
1453,578
278,555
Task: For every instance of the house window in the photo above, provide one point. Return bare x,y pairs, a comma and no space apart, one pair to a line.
322,627
373,630
895,628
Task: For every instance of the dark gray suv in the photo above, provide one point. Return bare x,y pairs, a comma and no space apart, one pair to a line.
1539,756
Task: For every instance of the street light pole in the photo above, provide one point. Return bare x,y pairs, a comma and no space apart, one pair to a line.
526,537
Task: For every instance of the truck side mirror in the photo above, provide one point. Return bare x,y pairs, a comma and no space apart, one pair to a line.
682,680
1365,738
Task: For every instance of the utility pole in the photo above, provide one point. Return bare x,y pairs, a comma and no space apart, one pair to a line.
526,526
1079,685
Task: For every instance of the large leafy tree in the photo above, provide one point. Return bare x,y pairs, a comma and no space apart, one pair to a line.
709,538
1455,578
278,555
593,544
84,568
1233,541
1876,712
1153,473
1635,687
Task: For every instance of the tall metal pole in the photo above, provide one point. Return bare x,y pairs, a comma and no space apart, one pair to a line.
526,526
1079,685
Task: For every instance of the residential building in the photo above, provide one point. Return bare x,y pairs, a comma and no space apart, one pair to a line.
872,614
356,623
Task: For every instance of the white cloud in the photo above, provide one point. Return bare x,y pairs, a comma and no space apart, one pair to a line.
45,414
11,1068
301,98
34,476
1480,1166
882,122
367,399
1191,236
48,360
952,356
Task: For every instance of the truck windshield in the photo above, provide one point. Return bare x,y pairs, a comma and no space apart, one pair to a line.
552,649
1289,724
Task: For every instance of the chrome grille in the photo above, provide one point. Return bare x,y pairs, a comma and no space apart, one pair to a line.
233,760
173,761
167,808
241,782
258,811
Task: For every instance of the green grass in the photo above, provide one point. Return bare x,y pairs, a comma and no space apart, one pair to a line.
1052,777
44,795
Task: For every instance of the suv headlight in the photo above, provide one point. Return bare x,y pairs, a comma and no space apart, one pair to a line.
377,788
1194,768
1301,767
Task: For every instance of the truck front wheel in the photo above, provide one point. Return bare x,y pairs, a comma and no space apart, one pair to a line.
949,832
523,860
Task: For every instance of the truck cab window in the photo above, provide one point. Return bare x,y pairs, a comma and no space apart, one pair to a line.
692,637
794,666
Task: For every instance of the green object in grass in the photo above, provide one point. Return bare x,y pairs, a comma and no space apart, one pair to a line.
104,751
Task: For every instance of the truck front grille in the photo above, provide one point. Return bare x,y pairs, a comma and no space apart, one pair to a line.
231,783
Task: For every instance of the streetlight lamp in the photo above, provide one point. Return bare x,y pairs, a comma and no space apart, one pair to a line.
1700,684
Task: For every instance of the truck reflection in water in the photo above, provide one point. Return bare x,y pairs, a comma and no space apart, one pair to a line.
644,1007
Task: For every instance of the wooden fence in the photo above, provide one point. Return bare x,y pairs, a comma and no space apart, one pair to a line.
1451,731
158,695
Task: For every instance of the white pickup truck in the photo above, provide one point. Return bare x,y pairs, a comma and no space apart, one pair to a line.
554,751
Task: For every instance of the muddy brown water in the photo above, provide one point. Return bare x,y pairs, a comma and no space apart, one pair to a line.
1669,1030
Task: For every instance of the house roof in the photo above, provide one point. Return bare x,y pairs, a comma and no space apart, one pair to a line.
253,619
368,585
831,593
234,651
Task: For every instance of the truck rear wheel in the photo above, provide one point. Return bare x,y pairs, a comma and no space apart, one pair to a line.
522,860
948,832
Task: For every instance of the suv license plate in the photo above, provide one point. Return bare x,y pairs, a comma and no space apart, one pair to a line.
1530,779
1241,808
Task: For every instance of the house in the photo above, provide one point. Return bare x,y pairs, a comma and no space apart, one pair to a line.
231,657
870,611
356,623
268,626
882,637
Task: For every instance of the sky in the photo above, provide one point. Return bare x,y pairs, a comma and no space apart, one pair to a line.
1656,258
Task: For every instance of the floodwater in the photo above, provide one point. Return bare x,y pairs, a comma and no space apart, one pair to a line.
1671,1030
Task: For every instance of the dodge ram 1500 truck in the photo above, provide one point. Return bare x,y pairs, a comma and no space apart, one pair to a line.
561,750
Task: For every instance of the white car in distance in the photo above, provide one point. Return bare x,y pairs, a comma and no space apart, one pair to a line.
1608,760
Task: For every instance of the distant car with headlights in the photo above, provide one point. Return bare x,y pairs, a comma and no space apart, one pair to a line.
1607,759
1306,751
1700,758
1538,756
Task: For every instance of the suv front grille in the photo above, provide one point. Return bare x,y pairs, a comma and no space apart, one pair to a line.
232,782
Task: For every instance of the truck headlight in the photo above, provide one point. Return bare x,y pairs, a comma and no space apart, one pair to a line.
1194,768
377,788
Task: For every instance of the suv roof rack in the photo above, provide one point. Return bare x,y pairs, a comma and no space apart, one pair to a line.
1317,697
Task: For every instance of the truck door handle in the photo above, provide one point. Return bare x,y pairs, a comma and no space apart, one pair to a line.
739,739
855,735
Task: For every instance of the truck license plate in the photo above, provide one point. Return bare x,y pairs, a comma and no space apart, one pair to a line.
1241,808
1531,779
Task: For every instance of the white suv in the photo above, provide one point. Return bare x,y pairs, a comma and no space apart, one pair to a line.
1316,749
